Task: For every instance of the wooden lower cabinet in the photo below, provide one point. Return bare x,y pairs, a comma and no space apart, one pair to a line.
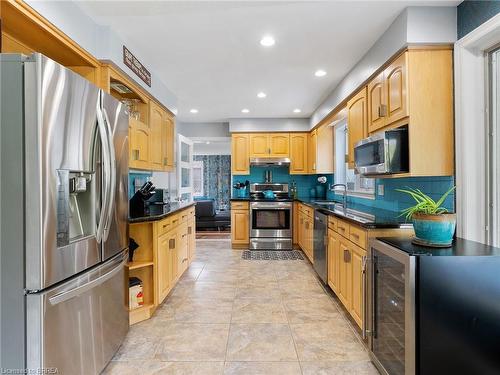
333,260
240,224
358,256
345,273
305,231
166,249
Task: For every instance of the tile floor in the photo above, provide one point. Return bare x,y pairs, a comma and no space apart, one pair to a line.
232,316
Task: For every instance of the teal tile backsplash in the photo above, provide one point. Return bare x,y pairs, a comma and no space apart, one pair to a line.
142,177
392,200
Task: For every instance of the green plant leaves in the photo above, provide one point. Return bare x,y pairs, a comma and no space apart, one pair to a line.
424,204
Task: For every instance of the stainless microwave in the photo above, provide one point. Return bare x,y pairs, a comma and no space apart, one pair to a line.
385,152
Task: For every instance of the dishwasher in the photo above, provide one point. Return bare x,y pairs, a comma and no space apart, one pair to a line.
320,237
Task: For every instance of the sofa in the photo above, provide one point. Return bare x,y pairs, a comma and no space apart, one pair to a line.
208,218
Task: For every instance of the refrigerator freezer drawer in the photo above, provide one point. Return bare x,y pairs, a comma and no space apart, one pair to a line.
77,327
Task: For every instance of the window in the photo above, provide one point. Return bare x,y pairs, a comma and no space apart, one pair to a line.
198,179
494,153
356,185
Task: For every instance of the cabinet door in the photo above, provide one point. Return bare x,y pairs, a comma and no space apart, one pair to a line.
156,124
163,270
356,122
333,260
240,154
168,143
182,249
376,103
397,90
259,145
312,152
240,231
345,273
279,145
298,153
139,134
300,230
309,240
173,243
324,148
191,239
357,298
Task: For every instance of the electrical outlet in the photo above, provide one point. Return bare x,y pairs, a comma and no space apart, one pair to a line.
380,189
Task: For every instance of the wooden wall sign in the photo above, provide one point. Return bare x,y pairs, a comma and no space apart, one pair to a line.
135,65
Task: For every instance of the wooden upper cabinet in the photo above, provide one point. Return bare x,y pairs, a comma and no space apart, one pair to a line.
240,163
168,143
376,103
279,145
324,147
139,145
298,153
156,124
259,145
396,78
356,122
312,151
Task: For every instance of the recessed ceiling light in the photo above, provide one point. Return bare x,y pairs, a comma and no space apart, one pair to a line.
267,41
207,142
193,110
261,95
320,73
297,110
245,110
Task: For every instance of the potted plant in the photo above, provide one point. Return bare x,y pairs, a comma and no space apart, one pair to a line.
433,224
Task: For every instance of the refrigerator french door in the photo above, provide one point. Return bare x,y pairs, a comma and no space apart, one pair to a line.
64,160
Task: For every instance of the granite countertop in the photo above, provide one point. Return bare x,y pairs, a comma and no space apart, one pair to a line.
370,218
158,212
460,247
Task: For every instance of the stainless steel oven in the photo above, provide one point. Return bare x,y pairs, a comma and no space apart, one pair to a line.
390,302
385,152
271,225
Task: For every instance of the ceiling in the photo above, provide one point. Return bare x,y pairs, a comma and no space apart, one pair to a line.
209,55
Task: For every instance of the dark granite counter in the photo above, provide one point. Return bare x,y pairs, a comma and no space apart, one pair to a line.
460,247
158,212
367,217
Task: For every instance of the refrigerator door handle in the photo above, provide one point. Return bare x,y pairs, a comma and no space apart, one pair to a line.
106,175
112,179
64,296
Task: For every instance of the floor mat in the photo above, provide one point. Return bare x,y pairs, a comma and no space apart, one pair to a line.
272,255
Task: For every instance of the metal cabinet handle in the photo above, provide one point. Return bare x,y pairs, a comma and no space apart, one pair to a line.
190,230
165,161
184,260
165,225
347,256
307,225
382,110
355,235
171,243
184,235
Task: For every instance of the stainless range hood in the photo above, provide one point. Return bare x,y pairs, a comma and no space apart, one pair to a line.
270,162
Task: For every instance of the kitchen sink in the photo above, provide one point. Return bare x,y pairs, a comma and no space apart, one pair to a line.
338,209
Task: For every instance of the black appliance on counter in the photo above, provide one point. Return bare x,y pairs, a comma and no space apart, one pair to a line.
146,199
433,311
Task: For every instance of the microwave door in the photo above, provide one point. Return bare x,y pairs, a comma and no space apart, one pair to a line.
370,156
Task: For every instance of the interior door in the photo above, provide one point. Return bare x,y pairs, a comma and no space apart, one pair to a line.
184,168
116,229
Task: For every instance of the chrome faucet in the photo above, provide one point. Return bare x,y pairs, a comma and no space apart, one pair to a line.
344,198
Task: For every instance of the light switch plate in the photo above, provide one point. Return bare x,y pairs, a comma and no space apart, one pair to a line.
380,189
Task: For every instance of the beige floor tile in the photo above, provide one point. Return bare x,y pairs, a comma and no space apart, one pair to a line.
204,311
269,291
248,310
260,342
193,342
332,340
339,368
138,347
262,368
155,367
207,290
305,310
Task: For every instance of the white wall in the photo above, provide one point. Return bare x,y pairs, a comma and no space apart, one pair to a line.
268,124
101,42
214,148
415,25
203,129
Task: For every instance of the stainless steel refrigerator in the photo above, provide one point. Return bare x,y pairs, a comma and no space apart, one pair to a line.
64,219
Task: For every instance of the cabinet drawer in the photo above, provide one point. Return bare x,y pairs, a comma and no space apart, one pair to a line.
358,236
239,205
332,223
164,226
175,220
343,228
184,216
308,210
191,211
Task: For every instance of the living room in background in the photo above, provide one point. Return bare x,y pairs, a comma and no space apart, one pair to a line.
216,179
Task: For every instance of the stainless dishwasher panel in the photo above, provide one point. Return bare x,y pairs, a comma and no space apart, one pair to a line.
76,327
320,245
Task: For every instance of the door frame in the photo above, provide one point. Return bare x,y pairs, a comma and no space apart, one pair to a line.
182,164
471,129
